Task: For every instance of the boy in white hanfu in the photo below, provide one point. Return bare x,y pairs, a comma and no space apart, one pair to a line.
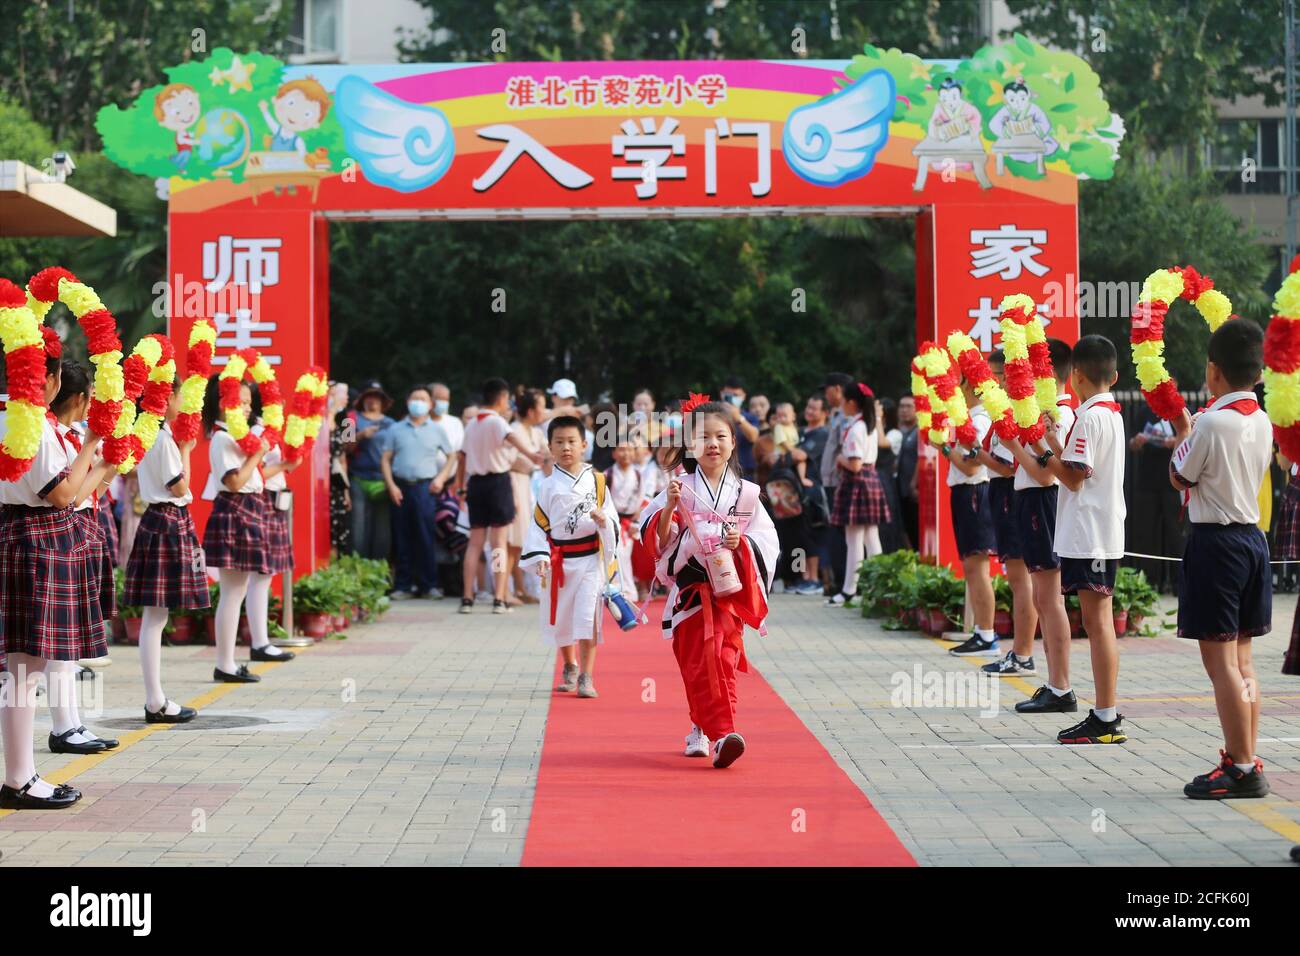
573,541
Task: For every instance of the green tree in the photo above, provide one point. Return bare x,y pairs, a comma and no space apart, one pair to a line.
64,59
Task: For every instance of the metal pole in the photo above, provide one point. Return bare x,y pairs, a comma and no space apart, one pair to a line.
286,585
1290,14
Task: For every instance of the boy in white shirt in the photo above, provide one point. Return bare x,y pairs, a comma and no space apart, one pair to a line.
972,525
1037,499
1090,524
1225,588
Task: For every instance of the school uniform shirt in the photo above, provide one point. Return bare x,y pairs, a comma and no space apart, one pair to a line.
1090,521
860,443
1024,479
49,467
160,469
980,419
225,456
71,445
1222,463
485,448
562,515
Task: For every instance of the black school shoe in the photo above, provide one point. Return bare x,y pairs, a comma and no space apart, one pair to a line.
975,646
242,676
1045,701
1226,782
59,743
19,799
185,715
1093,730
260,654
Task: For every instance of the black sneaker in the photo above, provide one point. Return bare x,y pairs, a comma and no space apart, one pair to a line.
466,605
975,646
1045,701
1093,730
1226,782
1010,666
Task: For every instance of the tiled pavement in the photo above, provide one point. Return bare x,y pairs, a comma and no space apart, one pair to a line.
416,741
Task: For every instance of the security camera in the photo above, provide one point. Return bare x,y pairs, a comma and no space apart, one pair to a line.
63,165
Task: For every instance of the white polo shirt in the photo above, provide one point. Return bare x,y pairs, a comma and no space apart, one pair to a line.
51,461
225,456
1222,463
160,469
1090,521
485,448
980,419
1024,479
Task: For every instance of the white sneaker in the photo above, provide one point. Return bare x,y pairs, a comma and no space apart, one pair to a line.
728,750
697,745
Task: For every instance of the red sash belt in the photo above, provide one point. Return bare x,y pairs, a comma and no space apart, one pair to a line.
579,548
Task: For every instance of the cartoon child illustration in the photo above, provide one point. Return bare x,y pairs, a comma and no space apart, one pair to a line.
176,107
300,106
1019,117
953,117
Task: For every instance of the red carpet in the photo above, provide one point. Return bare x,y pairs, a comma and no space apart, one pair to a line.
615,790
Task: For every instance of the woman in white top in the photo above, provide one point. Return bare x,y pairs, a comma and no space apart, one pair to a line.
532,405
67,734
860,505
237,538
48,606
165,570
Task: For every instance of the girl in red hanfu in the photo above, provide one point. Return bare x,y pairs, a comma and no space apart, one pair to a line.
716,549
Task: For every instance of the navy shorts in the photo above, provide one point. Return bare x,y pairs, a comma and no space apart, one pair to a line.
1088,574
1036,519
1225,587
1002,503
491,500
972,519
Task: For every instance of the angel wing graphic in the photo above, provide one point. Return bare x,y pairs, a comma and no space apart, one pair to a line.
837,138
400,145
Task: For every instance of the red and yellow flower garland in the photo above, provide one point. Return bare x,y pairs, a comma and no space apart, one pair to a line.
921,396
306,409
24,347
1017,313
159,358
975,367
1282,365
251,362
198,369
107,416
941,377
1147,331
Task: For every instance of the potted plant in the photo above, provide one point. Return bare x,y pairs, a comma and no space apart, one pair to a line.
130,616
180,630
878,582
1003,622
313,604
1135,600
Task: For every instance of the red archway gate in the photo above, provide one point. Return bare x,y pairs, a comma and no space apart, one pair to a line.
257,158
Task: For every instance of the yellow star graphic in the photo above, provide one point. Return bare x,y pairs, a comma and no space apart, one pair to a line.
920,70
1012,70
1087,124
995,97
1065,137
1056,74
239,75
216,76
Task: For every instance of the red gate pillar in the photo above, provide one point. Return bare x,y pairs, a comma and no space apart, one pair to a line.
968,257
262,277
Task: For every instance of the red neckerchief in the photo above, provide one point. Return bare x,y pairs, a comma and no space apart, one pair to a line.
1243,406
1113,406
75,441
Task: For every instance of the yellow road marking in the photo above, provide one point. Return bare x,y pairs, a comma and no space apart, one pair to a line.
1019,683
87,762
1266,814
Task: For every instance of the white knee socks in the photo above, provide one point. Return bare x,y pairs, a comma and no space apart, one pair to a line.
17,720
854,548
151,631
234,585
256,606
61,686
873,541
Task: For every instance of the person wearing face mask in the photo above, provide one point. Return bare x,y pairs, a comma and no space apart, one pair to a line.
747,425
371,537
417,461
442,415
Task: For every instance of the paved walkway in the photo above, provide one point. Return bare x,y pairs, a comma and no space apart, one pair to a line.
417,740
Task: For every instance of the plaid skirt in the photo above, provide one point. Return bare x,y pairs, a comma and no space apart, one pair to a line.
108,524
1286,536
237,537
277,529
88,520
860,499
48,579
166,567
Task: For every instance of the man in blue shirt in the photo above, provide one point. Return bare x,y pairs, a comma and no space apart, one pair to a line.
417,461
747,425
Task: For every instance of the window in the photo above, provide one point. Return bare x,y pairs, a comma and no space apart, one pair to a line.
1260,140
314,33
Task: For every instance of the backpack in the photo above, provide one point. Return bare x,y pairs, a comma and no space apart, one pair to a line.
784,492
445,525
